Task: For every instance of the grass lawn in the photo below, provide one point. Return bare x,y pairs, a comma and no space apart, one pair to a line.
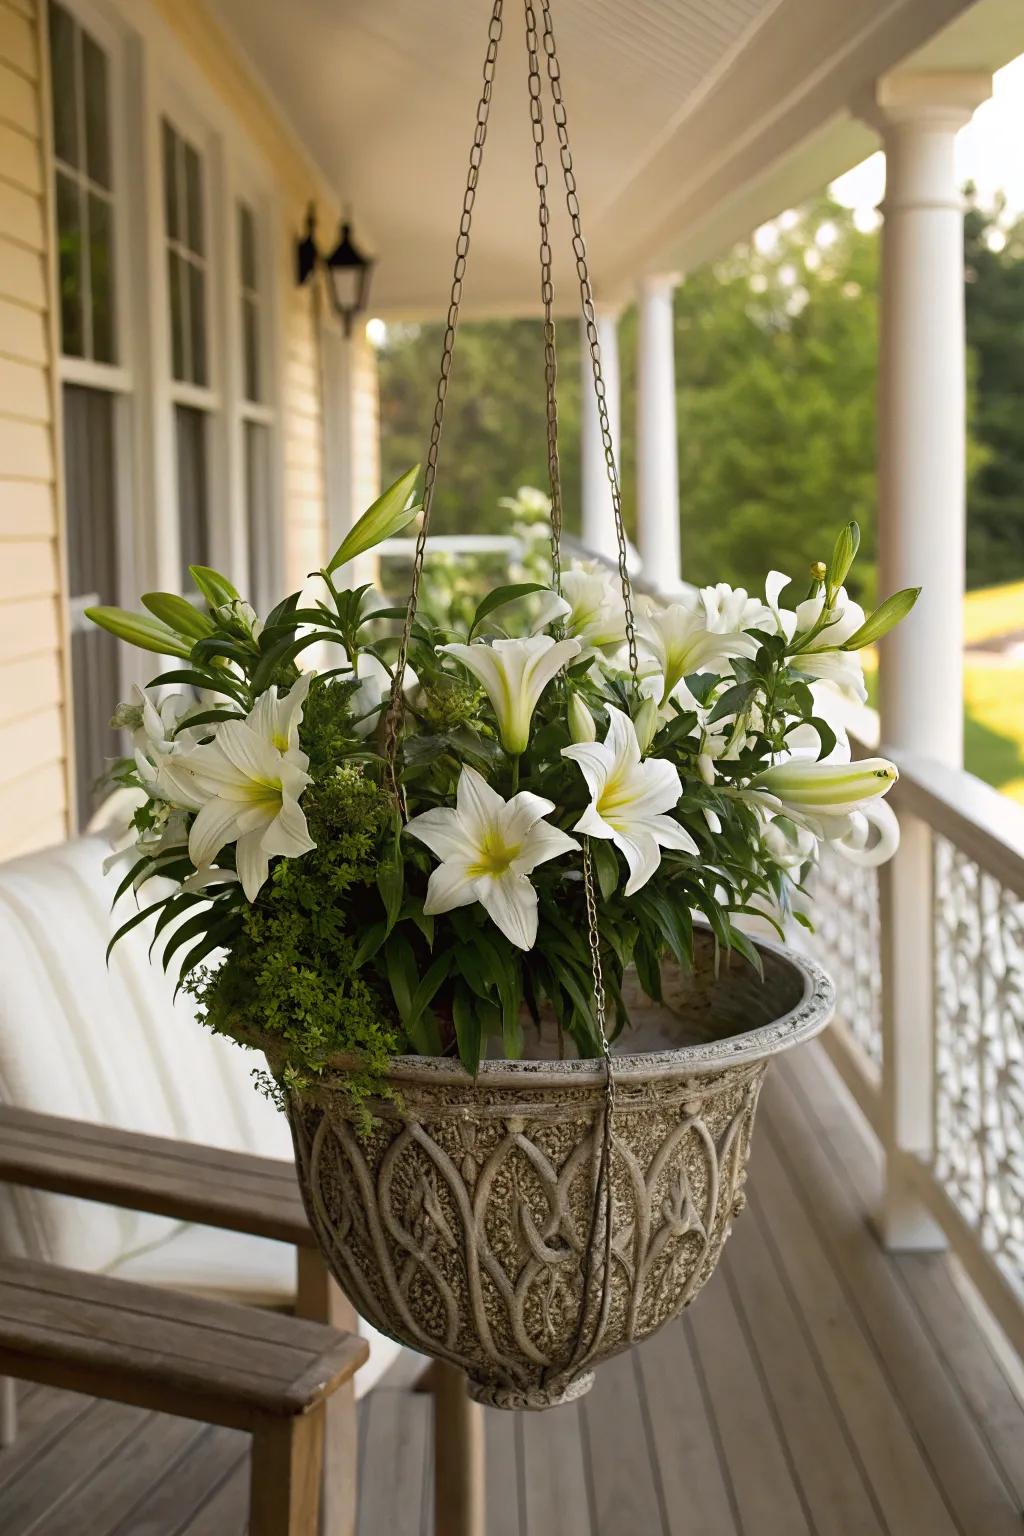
993,611
993,690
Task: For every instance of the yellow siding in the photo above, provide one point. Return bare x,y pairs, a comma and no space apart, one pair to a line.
33,770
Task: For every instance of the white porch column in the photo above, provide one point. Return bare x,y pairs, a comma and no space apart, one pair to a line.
921,525
922,423
598,521
657,453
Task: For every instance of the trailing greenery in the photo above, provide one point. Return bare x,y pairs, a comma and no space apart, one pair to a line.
294,985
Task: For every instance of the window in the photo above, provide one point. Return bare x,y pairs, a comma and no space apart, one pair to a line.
83,192
256,423
186,257
184,198
95,385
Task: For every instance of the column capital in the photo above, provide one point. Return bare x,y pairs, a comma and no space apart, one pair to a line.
658,282
939,98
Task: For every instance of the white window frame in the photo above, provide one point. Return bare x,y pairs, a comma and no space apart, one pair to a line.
247,184
118,379
152,76
170,101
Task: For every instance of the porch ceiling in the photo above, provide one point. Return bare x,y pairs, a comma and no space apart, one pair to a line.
678,110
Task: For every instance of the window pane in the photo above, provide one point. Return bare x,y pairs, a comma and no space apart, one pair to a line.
69,262
62,70
91,493
257,503
251,348
190,431
194,200
247,246
170,142
97,111
197,312
101,274
179,337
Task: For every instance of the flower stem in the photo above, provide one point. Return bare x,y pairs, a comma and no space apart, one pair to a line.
515,774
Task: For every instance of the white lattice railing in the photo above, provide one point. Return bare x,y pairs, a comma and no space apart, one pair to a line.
928,957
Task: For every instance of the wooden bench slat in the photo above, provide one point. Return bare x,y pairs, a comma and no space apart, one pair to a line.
16,1117
181,1180
157,1349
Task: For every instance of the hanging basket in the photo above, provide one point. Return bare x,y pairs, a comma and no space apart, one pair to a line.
466,1223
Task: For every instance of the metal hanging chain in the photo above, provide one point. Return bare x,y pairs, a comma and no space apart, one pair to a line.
476,155
590,321
547,292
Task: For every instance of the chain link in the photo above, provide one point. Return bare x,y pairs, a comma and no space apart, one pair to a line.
476,155
547,291
579,250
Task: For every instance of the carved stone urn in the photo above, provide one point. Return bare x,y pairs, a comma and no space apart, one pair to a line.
470,1222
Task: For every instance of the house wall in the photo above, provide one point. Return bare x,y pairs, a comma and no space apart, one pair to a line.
35,742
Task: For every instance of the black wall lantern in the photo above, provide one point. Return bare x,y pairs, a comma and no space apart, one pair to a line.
348,270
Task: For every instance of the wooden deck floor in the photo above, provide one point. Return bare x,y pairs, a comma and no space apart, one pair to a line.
819,1388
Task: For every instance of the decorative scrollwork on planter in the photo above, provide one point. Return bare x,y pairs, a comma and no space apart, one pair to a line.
464,1221
847,940
468,1237
979,1046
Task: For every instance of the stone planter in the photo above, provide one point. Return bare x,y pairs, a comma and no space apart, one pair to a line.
463,1224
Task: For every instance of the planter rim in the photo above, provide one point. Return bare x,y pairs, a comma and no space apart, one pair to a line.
806,1019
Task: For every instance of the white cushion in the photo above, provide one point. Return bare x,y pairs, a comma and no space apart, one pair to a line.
113,1045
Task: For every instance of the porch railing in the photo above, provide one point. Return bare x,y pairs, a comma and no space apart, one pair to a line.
928,956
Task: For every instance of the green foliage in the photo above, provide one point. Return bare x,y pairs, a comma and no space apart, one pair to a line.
293,981
776,383
994,294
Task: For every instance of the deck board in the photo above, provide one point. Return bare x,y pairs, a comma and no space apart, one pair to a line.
818,1386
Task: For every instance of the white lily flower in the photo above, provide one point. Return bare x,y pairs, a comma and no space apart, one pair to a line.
245,786
677,640
785,618
630,797
822,659
152,721
591,606
514,674
831,788
837,802
730,610
487,847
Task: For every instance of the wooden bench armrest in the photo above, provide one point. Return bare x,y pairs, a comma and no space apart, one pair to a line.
179,1179
140,1344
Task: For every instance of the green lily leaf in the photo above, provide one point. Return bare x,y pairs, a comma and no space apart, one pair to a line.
468,1032
213,586
136,629
884,618
178,614
500,596
391,513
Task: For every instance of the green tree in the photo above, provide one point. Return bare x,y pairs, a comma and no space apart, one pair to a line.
994,268
776,362
495,434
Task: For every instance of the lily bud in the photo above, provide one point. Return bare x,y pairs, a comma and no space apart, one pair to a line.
829,787
581,721
819,570
645,723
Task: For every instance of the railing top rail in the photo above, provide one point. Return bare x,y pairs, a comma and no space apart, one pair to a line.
985,824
